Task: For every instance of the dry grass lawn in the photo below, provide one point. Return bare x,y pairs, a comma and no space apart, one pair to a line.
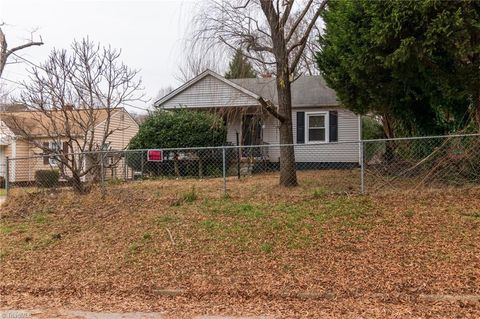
307,252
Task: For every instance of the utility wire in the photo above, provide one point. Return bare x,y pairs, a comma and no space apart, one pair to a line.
15,82
37,66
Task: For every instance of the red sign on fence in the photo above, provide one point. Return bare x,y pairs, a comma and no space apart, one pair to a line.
154,155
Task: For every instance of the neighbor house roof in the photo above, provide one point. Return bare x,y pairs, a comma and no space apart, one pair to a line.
43,124
307,91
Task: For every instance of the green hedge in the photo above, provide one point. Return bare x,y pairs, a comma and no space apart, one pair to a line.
47,178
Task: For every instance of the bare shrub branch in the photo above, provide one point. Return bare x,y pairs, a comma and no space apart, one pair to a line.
72,98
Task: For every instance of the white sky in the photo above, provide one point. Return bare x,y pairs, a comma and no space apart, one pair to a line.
150,33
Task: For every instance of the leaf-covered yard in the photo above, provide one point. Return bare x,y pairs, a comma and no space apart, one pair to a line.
262,250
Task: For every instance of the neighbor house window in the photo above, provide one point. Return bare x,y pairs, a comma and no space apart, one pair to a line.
51,157
317,124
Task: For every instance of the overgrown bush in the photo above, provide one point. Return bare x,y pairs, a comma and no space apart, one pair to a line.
47,178
372,129
180,129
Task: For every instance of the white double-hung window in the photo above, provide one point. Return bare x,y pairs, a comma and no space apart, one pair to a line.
316,127
56,148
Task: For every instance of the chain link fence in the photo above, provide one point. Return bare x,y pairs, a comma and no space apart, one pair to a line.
354,167
415,163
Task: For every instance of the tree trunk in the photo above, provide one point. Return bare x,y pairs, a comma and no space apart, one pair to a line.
200,167
389,133
78,186
387,126
288,172
176,165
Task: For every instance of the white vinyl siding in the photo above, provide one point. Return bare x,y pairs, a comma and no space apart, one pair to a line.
3,160
348,131
210,92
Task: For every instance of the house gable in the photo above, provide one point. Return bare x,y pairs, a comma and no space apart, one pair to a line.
208,90
6,135
123,126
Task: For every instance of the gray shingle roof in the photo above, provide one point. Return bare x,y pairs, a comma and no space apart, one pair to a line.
306,90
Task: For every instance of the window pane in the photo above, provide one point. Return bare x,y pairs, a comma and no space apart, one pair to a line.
316,134
316,121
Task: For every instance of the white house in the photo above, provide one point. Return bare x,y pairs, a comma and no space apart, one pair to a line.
324,131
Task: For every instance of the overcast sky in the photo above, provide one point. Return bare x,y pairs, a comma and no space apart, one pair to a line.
150,33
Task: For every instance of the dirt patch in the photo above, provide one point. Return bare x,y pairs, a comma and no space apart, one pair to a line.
263,250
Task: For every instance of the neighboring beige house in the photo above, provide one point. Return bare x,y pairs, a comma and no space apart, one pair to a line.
28,157
318,117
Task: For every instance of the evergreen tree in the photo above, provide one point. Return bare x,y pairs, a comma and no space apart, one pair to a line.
415,63
239,67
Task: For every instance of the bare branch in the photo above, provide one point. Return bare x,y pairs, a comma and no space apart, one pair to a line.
73,97
286,13
5,52
270,108
303,41
299,19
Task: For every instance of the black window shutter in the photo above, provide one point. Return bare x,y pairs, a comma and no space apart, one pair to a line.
65,147
333,123
45,158
300,127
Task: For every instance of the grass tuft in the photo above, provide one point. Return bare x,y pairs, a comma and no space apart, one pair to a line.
409,213
147,236
40,218
266,248
319,193
5,229
190,196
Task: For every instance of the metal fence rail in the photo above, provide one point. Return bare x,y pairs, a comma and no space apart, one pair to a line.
358,166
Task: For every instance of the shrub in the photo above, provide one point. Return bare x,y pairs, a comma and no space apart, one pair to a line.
371,128
47,178
179,129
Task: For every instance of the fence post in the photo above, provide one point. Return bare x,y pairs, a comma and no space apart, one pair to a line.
7,176
125,171
102,170
224,172
239,153
362,168
141,163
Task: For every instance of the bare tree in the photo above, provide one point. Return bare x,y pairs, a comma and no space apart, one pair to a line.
69,96
4,95
273,34
196,61
5,52
163,91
